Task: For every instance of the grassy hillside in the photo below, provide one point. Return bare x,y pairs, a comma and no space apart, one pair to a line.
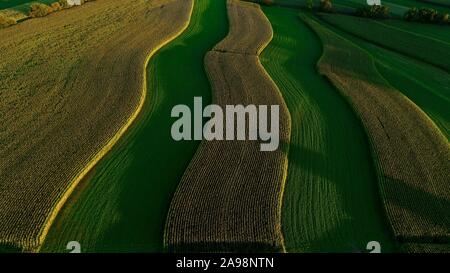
122,205
397,7
437,32
331,196
402,5
437,2
423,48
410,152
425,85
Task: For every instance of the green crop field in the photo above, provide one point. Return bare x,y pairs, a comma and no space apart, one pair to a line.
437,2
425,85
437,32
426,49
397,7
122,204
402,5
415,206
359,126
330,173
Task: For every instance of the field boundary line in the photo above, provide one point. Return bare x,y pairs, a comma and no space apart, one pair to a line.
112,142
386,47
374,60
412,33
385,164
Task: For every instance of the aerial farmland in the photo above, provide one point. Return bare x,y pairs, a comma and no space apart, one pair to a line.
230,126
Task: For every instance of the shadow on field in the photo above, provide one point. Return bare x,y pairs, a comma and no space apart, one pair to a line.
433,209
316,163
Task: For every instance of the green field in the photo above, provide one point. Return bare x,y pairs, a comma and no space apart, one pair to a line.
331,196
340,192
404,197
403,5
437,2
429,50
122,205
425,85
397,7
437,32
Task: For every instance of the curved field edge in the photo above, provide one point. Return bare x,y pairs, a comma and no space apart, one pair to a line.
412,174
428,87
322,209
230,196
112,141
427,49
55,118
122,204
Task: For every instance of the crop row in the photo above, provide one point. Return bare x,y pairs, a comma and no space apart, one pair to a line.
70,85
229,198
410,152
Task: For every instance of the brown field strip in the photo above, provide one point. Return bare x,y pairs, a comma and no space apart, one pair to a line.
411,155
229,198
249,36
70,85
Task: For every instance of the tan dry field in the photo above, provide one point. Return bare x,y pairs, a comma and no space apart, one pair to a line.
230,196
411,154
70,85
248,35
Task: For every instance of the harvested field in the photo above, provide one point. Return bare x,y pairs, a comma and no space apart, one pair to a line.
121,206
229,198
331,201
70,86
410,153
423,48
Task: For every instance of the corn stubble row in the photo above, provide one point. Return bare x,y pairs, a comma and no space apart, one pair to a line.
412,156
68,83
229,198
